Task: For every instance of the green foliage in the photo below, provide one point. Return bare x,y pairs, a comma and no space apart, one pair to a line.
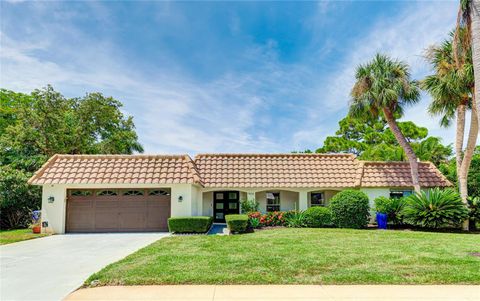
35,126
48,123
450,85
473,211
350,209
449,169
254,222
237,223
372,140
17,198
190,224
296,219
393,207
249,206
318,217
435,209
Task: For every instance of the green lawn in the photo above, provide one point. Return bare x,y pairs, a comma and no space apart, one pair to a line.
11,236
302,256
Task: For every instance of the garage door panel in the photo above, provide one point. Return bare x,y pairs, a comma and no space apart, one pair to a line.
132,220
106,220
118,213
106,203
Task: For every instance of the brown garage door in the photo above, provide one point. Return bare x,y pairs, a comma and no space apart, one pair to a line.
118,210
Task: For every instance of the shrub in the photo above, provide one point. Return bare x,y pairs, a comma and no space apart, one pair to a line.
190,224
317,217
392,207
435,209
249,206
350,209
254,223
474,211
237,223
17,198
270,219
295,219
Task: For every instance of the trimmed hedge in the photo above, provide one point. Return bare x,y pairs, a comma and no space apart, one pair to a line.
190,224
350,209
317,217
237,222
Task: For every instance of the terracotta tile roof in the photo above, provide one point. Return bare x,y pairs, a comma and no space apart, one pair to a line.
397,174
117,169
235,171
279,170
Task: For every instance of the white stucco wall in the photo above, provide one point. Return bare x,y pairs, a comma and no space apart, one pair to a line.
55,213
288,200
195,199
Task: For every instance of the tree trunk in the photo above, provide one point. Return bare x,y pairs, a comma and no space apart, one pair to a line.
459,135
475,33
467,158
412,158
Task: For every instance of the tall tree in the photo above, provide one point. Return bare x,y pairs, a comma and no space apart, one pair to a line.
469,20
383,87
452,89
35,126
372,140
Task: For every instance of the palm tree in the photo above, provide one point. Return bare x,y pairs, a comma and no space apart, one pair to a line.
451,88
383,86
469,20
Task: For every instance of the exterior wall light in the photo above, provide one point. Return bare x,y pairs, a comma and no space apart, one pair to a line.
51,199
180,198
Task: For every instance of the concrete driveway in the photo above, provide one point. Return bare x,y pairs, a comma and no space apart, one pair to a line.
50,268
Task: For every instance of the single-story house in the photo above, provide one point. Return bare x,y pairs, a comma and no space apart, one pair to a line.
113,193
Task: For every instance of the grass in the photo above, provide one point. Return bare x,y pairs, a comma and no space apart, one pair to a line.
11,236
302,256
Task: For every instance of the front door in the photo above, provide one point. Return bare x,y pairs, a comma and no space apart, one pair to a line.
225,202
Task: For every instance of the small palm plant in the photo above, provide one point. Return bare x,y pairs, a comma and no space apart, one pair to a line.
435,209
296,219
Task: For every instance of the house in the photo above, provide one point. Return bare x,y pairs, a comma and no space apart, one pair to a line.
110,193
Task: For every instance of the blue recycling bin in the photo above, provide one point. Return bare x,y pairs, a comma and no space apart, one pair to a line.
382,221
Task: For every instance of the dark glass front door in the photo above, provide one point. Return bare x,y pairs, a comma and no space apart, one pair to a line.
225,202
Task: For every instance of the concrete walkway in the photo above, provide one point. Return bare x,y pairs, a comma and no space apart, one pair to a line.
49,268
280,292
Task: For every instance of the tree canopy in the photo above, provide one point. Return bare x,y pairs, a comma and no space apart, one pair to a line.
35,126
373,140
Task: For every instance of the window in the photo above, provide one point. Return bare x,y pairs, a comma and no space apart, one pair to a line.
133,192
316,199
158,192
273,201
80,193
106,193
396,194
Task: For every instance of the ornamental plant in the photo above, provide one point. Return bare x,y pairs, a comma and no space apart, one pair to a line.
317,217
350,209
392,207
296,219
435,209
248,206
474,211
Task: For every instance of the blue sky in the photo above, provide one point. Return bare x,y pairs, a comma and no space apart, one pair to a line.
219,77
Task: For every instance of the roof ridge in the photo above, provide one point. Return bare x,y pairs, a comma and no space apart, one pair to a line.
197,179
120,156
360,173
392,162
275,154
42,169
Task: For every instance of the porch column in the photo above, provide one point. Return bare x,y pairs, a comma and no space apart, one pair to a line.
302,200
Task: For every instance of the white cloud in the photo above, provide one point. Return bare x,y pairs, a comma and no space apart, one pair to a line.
174,113
404,36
